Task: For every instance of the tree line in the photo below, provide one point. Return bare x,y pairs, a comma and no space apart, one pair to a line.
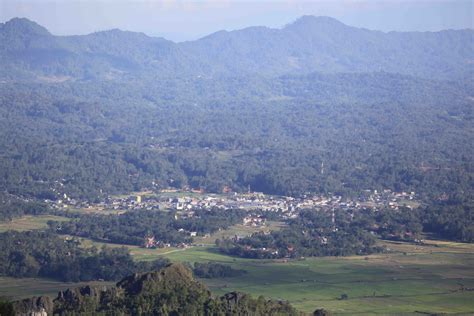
44,254
132,227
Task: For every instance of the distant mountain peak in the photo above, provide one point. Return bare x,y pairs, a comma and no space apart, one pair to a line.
118,32
125,36
311,21
25,26
115,31
319,19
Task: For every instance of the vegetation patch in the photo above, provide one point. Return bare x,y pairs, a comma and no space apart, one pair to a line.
430,278
30,222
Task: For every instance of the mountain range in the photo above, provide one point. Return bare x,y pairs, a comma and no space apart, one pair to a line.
29,51
115,111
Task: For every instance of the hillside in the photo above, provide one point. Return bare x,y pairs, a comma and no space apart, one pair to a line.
369,130
115,111
309,44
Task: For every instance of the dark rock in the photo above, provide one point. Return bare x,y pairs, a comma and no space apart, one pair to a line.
36,306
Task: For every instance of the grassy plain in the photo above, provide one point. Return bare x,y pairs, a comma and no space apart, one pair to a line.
412,279
30,222
409,280
239,230
28,287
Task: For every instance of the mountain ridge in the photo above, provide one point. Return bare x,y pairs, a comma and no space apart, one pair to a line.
309,44
302,19
24,24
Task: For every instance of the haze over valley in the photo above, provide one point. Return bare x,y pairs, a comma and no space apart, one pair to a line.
274,159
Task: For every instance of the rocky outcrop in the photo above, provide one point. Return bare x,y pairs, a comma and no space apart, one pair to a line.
170,291
36,306
84,299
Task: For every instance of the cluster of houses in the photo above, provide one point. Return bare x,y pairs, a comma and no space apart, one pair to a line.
254,220
187,201
372,199
150,242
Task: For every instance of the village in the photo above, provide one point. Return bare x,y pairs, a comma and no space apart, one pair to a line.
185,202
259,207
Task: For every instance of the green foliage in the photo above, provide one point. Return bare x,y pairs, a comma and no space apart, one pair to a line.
6,308
132,227
311,234
32,254
452,220
272,134
309,44
11,207
211,270
142,110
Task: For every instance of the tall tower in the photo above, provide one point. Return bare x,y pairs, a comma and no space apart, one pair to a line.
334,220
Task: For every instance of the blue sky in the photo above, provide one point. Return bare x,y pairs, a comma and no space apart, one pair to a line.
188,20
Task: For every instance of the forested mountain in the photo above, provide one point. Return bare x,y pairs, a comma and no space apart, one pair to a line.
369,131
309,44
119,111
327,45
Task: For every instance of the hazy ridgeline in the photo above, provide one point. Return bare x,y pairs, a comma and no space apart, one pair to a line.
316,106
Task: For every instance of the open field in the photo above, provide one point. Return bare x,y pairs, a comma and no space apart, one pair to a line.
143,254
434,277
30,222
412,279
95,210
27,287
138,253
239,230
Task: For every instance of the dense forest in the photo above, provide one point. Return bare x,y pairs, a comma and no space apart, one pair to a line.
114,112
43,254
11,206
316,133
306,45
452,220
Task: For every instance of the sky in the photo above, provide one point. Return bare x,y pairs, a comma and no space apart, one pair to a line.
188,20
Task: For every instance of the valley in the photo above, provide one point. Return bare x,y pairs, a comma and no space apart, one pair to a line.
322,168
432,278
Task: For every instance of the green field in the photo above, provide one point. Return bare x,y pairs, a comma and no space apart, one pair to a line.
410,279
239,230
138,253
143,254
28,287
30,222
